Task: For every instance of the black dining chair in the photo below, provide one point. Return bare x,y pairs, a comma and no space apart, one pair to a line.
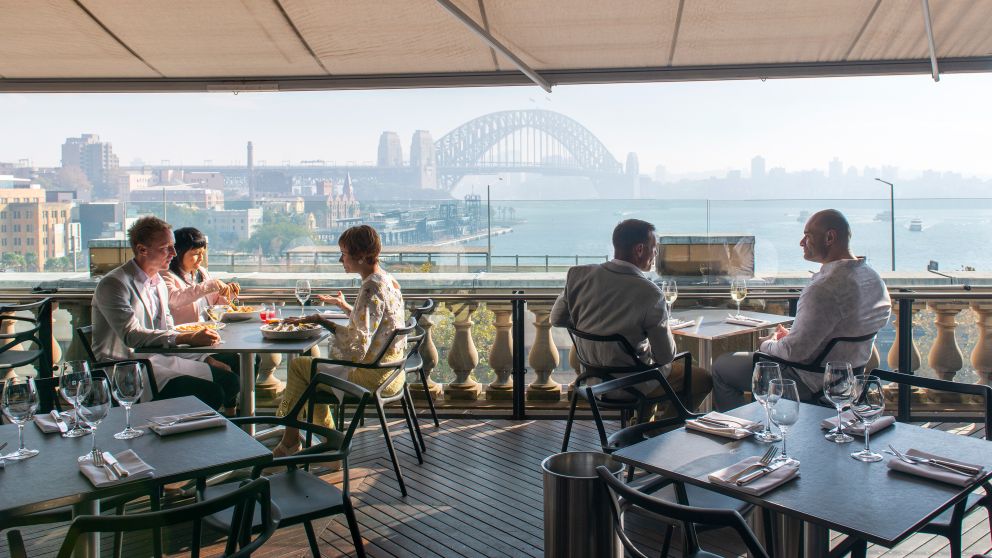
34,344
630,404
302,496
624,498
251,498
413,335
950,523
415,362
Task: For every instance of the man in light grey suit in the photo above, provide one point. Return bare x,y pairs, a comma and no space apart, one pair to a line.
617,298
131,310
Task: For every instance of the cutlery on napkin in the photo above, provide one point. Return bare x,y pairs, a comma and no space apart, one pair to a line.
681,324
177,424
720,424
746,321
50,423
853,425
943,473
127,460
763,480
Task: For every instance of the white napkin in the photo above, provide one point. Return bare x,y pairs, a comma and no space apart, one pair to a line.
212,421
746,321
932,471
858,428
759,486
47,424
101,476
682,324
746,426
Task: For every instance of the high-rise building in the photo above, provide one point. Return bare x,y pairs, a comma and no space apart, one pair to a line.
35,228
423,159
836,168
390,150
95,158
757,167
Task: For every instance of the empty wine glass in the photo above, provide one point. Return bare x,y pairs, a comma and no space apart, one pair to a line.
74,383
764,373
670,290
20,401
838,381
94,408
783,398
302,293
867,403
738,292
128,386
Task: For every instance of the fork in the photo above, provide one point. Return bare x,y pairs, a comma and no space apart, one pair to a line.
766,458
954,468
185,418
99,461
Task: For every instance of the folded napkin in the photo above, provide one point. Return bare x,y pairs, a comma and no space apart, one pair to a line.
758,486
681,324
932,471
746,321
101,476
177,424
858,428
746,428
46,422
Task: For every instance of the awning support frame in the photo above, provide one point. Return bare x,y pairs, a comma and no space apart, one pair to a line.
935,71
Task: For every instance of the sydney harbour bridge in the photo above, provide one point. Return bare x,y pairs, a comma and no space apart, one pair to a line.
516,141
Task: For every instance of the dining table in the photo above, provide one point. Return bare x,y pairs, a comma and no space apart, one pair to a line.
711,325
52,479
868,502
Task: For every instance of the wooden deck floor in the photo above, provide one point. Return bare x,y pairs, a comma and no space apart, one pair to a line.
479,493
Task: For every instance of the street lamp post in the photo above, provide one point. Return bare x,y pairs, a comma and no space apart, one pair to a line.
892,218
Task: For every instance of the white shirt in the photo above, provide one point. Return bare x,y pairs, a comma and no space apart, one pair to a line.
150,285
845,299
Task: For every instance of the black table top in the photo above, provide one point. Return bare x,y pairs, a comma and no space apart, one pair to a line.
866,500
711,323
52,478
244,337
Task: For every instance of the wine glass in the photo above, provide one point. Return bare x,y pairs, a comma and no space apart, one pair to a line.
738,291
838,381
867,403
20,401
94,408
128,386
670,290
302,293
764,373
74,383
783,397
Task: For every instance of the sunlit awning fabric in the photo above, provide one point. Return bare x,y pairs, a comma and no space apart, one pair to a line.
201,45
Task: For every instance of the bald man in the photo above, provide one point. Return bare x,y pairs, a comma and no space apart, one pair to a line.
845,299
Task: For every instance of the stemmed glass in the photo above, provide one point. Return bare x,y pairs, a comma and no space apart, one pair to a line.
670,290
128,386
302,293
94,408
74,384
738,291
20,401
868,403
764,373
215,313
838,382
783,398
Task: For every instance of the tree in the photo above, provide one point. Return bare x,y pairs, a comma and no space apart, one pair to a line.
63,263
31,261
73,178
12,260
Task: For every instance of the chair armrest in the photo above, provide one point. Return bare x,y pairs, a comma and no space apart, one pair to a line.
760,356
352,364
15,544
389,380
687,377
640,432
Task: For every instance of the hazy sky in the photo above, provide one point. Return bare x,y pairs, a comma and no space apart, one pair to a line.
910,122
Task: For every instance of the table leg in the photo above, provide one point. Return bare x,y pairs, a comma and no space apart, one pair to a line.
705,359
247,408
88,545
794,537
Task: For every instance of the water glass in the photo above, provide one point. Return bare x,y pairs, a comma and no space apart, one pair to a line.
94,408
764,373
74,384
302,293
784,412
20,401
738,292
128,387
670,290
838,382
868,403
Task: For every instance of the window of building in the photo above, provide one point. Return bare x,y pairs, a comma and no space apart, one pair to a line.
17,242
28,228
30,241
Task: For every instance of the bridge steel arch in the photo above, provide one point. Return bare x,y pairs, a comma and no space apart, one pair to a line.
460,151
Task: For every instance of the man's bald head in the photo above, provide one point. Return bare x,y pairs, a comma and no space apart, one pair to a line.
827,237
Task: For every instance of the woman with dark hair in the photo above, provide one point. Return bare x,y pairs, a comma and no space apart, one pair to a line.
377,313
191,291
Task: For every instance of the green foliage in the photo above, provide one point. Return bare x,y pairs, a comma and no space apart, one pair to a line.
12,261
31,261
483,334
279,232
59,264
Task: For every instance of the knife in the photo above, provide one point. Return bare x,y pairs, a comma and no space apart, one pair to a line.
115,465
750,477
59,421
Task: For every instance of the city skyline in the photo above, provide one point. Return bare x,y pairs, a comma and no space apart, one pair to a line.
689,128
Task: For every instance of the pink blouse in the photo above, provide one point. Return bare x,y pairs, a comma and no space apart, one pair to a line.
185,298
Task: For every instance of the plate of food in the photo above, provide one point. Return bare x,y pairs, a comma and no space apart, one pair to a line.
279,330
196,326
239,313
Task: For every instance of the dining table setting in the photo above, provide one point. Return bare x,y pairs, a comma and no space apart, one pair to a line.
818,469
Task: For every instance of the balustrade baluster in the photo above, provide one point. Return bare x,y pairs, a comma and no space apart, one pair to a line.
463,356
501,355
945,356
428,352
543,357
981,355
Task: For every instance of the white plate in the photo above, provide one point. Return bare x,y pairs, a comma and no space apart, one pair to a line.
268,332
199,325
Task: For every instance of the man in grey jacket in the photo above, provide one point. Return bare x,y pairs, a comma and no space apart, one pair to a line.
845,299
617,297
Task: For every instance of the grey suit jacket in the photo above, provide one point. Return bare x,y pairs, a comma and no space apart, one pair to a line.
123,321
615,297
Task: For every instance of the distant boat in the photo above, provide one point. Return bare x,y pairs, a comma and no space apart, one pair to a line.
916,224
883,215
803,216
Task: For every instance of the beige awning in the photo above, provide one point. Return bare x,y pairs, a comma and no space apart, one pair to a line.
202,45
